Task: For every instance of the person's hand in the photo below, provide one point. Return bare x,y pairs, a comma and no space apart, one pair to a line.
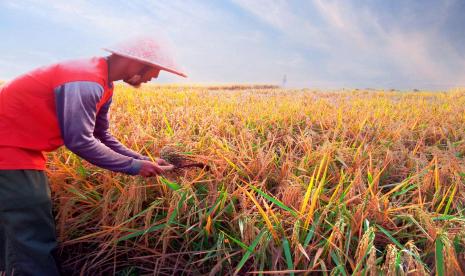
149,168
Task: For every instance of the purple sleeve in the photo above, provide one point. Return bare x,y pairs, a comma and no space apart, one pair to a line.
76,106
102,133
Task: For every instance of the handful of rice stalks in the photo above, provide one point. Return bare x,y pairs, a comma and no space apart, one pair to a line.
179,159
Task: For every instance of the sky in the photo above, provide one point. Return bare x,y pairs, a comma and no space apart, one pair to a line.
324,44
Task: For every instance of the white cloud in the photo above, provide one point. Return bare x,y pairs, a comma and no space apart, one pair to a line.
281,15
359,45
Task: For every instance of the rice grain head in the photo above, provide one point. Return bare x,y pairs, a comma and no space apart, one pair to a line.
172,156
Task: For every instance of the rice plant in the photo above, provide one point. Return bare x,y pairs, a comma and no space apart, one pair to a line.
291,182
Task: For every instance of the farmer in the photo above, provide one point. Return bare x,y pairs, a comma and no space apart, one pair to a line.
63,104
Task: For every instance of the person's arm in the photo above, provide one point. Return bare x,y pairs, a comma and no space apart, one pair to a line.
76,107
102,133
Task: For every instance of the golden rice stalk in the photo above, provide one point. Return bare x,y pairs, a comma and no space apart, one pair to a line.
291,195
371,263
437,182
412,266
262,212
316,195
427,223
451,263
365,245
313,179
208,226
390,263
337,235
307,194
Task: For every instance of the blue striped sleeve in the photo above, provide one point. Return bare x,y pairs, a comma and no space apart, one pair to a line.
76,107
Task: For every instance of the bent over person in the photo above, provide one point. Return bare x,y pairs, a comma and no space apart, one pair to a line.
63,104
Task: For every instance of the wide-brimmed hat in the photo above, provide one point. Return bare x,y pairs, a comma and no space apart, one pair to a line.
147,51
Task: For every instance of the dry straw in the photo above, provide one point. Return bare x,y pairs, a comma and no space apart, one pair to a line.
349,182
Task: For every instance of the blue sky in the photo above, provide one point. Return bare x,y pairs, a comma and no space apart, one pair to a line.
318,44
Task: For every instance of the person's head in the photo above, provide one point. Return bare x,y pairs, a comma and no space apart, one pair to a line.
130,71
139,60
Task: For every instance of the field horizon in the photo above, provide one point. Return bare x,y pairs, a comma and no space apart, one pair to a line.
258,85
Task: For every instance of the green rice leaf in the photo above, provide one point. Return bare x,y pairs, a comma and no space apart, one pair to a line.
287,254
339,265
275,201
249,252
172,185
241,244
142,232
440,268
311,232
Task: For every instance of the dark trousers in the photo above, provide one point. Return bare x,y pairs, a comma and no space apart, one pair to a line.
27,226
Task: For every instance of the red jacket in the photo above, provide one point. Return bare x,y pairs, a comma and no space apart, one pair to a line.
28,120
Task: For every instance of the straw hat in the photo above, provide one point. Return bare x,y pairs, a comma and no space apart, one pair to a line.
147,51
